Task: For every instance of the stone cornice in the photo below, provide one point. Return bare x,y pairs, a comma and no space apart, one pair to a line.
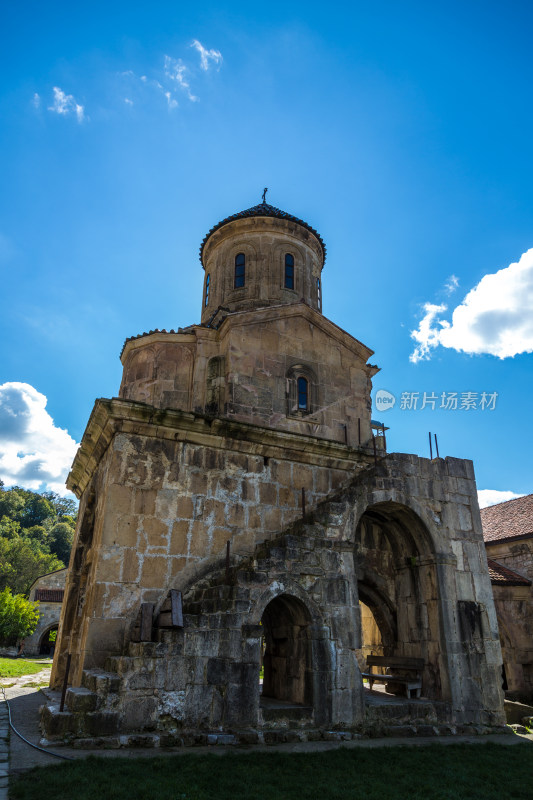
110,417
156,337
252,317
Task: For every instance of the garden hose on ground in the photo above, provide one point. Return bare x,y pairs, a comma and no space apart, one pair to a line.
35,746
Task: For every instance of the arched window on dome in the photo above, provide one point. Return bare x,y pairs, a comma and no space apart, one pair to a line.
303,394
207,282
319,294
240,264
289,271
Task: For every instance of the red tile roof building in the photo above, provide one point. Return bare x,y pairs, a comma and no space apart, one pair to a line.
508,535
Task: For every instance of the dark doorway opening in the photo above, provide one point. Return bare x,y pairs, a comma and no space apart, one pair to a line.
287,649
47,645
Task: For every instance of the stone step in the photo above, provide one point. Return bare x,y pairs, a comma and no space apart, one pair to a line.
58,724
100,682
79,698
411,712
290,713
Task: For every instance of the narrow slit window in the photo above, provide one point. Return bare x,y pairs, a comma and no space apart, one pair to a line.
319,294
207,282
240,263
289,271
303,394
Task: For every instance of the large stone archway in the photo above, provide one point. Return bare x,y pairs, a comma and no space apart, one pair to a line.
394,561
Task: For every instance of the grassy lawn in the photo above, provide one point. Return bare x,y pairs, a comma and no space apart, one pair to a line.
15,667
439,772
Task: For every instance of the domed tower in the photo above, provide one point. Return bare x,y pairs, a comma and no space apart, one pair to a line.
261,257
263,352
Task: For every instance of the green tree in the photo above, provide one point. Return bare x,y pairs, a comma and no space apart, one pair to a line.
63,506
18,617
11,503
60,540
9,528
22,561
37,509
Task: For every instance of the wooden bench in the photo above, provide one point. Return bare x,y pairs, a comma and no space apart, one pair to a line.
394,665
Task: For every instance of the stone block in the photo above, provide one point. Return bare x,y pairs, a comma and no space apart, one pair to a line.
81,699
105,635
199,544
268,494
144,501
139,713
110,564
185,507
101,723
154,571
131,566
126,530
57,724
155,531
180,536
119,498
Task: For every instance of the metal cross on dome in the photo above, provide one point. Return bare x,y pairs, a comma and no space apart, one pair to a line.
264,194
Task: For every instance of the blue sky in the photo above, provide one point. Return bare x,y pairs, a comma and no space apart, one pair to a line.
402,132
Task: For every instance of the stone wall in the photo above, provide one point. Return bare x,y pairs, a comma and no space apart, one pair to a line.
49,612
168,499
514,607
206,676
247,370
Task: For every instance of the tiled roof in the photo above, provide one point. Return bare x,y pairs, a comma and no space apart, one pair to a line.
262,210
510,520
502,576
50,595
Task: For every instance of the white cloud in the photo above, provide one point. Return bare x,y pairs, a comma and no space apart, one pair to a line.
495,317
34,452
207,55
36,100
176,70
170,100
66,104
128,101
451,284
489,497
427,335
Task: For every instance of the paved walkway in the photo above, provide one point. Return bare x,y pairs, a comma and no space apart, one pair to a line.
25,702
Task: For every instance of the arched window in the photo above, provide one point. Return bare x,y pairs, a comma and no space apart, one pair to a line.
303,394
289,271
207,289
240,262
319,294
302,391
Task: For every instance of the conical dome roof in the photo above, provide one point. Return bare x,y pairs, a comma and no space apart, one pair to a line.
262,210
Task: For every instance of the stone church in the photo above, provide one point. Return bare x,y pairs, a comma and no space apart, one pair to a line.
243,531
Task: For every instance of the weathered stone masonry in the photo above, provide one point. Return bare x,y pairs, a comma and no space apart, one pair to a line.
221,432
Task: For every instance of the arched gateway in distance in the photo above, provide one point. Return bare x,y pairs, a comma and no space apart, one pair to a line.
237,515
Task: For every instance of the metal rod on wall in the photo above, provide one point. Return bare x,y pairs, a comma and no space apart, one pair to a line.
436,446
228,545
303,503
65,683
430,447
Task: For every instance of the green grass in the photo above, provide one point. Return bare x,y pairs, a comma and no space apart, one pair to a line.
439,772
15,667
